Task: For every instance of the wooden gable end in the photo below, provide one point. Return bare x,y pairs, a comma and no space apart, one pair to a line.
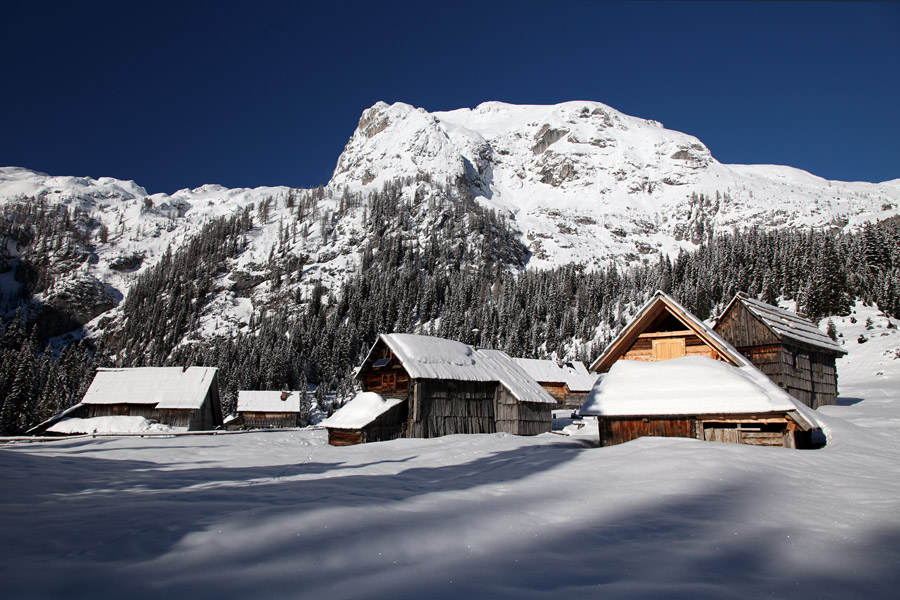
743,329
660,332
383,373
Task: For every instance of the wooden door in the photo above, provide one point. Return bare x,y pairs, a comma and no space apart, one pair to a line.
668,348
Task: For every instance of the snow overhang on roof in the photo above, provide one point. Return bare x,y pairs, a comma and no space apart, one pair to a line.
364,408
691,385
269,401
164,387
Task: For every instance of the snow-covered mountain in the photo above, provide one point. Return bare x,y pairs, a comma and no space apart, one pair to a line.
588,184
579,181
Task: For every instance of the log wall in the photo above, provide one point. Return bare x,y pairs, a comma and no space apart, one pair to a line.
270,420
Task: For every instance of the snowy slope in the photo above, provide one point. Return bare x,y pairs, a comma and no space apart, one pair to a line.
283,515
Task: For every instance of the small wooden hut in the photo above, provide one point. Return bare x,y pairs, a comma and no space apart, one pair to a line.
180,397
567,381
661,330
271,409
367,418
787,347
448,387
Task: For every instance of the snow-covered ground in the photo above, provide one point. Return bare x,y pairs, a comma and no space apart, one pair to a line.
283,515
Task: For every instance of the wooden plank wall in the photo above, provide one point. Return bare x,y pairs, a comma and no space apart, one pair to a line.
522,418
443,407
270,420
740,328
620,430
642,349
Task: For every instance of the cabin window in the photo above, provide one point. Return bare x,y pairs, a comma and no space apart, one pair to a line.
389,381
665,349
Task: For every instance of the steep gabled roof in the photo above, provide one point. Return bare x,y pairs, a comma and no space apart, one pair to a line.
785,324
572,373
163,387
426,357
268,401
651,310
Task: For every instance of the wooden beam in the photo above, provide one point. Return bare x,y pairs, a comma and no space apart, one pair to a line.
667,334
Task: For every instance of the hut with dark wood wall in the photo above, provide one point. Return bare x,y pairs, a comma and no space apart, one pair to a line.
787,347
180,397
663,401
447,387
367,418
270,409
569,382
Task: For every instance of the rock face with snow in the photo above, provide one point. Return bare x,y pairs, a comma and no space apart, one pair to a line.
580,183
589,184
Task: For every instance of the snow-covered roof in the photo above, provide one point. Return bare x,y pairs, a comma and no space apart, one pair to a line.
111,424
268,401
364,408
690,385
164,387
787,324
572,373
426,357
704,331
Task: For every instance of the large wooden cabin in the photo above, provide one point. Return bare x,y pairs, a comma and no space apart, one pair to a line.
447,387
787,347
655,381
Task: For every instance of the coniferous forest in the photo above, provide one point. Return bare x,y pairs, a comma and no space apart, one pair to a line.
440,265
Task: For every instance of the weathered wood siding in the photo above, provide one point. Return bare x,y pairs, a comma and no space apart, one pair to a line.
270,420
522,418
642,349
807,373
444,407
345,437
741,328
618,430
737,429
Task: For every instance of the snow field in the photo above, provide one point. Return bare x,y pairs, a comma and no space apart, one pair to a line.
284,515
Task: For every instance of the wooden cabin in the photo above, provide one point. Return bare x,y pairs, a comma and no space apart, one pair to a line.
186,398
700,398
271,409
567,381
787,347
447,387
662,330
666,358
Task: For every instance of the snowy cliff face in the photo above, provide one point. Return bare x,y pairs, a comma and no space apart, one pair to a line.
588,184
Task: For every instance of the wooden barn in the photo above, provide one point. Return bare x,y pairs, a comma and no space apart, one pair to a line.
271,409
447,387
697,397
661,330
186,398
787,347
569,382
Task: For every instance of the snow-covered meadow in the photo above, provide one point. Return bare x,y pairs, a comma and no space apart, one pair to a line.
284,515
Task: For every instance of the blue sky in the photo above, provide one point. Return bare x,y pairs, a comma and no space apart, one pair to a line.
176,95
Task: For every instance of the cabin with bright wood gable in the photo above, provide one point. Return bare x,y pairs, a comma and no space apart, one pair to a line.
787,347
271,409
176,396
569,382
659,344
664,329
446,387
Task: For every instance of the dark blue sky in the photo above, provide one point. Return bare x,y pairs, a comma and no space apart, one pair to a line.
178,94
